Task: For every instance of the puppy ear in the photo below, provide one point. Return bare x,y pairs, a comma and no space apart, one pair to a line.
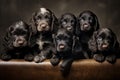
116,43
73,44
76,48
33,24
92,44
77,30
54,41
30,35
54,25
96,27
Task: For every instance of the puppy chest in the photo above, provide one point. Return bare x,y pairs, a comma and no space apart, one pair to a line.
43,44
40,43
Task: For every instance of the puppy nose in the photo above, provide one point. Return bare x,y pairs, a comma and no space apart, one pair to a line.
86,25
69,28
104,46
20,42
61,46
43,25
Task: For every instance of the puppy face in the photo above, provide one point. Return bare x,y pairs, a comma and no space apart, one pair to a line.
68,21
19,34
43,20
88,21
105,39
63,40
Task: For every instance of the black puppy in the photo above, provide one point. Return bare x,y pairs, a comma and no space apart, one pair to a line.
68,21
16,42
104,44
63,44
44,25
87,24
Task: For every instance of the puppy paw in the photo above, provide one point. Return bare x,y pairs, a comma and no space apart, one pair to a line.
111,58
5,57
37,59
42,58
54,61
29,57
99,57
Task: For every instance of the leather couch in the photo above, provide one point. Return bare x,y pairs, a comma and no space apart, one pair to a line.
84,69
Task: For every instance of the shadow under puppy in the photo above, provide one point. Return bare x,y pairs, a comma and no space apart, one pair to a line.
63,43
43,25
87,24
104,45
16,42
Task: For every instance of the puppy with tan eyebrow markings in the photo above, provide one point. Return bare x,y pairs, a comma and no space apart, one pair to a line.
104,45
16,42
44,24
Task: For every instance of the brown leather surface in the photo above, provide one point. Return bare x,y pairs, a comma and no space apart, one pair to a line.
85,69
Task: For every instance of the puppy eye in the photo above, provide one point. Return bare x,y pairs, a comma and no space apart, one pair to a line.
64,22
99,39
37,18
82,18
47,17
90,19
57,38
72,21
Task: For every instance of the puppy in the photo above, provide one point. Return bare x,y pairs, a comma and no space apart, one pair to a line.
104,45
87,24
43,25
16,42
63,44
68,21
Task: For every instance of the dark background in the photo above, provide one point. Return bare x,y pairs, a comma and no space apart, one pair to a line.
108,11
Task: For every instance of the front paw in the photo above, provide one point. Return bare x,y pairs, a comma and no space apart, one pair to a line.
99,57
38,59
6,57
42,58
29,57
54,61
111,58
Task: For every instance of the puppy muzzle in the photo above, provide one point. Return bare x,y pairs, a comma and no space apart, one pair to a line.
86,26
61,46
43,26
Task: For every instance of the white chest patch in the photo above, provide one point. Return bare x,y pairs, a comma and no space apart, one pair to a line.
43,10
40,43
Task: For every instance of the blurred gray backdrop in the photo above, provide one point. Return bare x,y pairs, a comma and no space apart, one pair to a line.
108,11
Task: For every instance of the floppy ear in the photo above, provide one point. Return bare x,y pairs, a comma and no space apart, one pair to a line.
54,41
30,35
54,25
33,24
116,43
7,40
96,27
92,44
76,48
77,30
73,44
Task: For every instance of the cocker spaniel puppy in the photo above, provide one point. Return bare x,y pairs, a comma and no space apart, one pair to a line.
104,45
63,45
68,21
87,24
44,24
16,42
